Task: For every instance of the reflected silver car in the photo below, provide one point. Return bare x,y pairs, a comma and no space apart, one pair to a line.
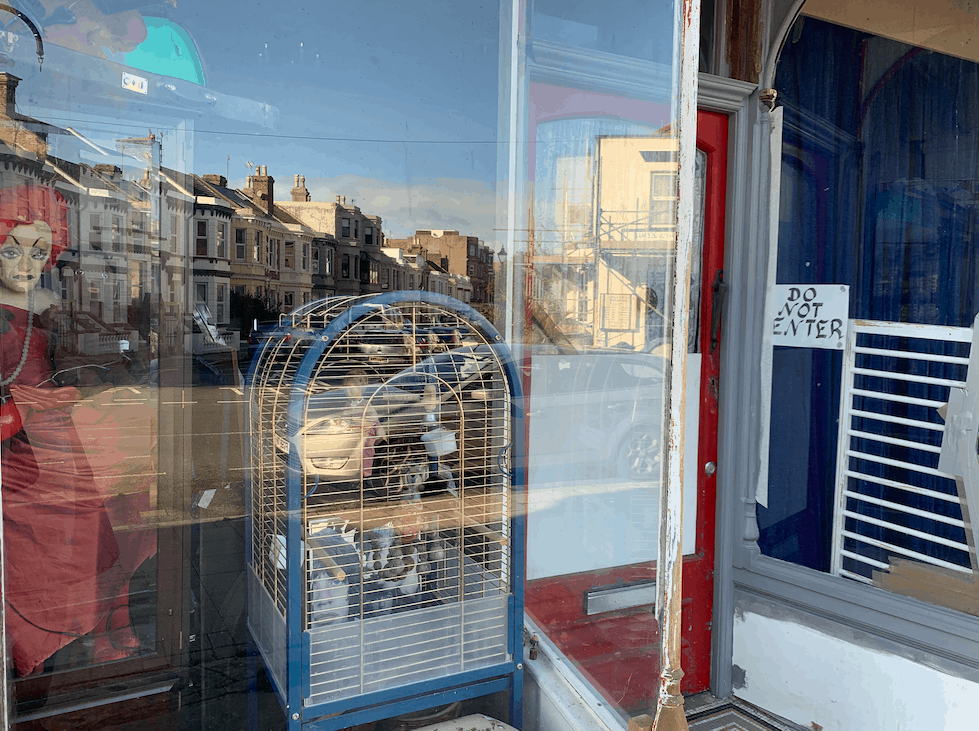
346,422
600,406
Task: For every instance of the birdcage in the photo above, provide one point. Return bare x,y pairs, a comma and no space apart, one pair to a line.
385,553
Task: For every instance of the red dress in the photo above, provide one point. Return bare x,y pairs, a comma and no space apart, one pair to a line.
57,534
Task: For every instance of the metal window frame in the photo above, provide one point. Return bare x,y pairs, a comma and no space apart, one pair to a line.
929,634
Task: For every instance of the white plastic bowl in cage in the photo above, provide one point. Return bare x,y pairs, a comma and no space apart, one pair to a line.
440,442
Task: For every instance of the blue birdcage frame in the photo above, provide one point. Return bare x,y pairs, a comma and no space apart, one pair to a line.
288,668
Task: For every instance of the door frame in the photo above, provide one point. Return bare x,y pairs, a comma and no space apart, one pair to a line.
712,138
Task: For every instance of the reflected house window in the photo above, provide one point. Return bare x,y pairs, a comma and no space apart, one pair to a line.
95,232
220,295
345,266
287,298
174,234
356,228
240,244
139,229
201,248
222,240
345,227
368,235
305,257
258,247
201,293
316,260
116,233
289,254
661,201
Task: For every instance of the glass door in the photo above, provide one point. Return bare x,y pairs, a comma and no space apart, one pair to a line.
598,271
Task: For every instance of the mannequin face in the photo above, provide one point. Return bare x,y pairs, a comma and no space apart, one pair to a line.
23,256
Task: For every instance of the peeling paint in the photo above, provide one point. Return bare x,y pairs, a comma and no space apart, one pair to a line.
738,677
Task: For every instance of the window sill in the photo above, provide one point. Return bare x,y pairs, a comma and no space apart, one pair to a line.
943,633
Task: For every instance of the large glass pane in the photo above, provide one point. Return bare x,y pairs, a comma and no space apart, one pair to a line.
589,269
191,195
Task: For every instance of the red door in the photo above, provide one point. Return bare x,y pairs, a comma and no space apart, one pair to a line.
618,650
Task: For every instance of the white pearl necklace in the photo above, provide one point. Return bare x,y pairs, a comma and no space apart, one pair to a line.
27,341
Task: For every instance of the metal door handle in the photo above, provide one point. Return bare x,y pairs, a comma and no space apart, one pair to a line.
719,288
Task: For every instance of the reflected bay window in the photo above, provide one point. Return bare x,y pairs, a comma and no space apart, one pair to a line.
201,247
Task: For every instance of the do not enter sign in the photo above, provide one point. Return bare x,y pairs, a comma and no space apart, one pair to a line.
811,315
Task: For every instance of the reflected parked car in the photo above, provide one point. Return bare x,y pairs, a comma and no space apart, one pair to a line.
600,406
351,417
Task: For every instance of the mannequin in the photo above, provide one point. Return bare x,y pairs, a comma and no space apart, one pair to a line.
58,538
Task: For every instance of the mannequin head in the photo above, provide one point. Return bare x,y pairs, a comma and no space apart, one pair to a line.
24,254
33,233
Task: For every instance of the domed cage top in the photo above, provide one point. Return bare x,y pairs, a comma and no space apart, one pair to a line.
385,551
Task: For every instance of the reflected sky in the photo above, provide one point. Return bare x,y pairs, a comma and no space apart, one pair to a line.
395,110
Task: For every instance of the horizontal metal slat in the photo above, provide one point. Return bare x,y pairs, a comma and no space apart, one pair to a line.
912,330
866,560
930,357
907,531
858,577
898,463
905,509
905,552
894,441
888,419
897,398
909,377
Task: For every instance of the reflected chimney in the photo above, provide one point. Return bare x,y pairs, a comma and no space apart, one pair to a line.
262,186
299,192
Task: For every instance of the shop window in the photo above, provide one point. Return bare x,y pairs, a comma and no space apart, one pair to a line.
129,539
877,184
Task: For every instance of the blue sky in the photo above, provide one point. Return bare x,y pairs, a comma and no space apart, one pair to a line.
391,103
408,92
